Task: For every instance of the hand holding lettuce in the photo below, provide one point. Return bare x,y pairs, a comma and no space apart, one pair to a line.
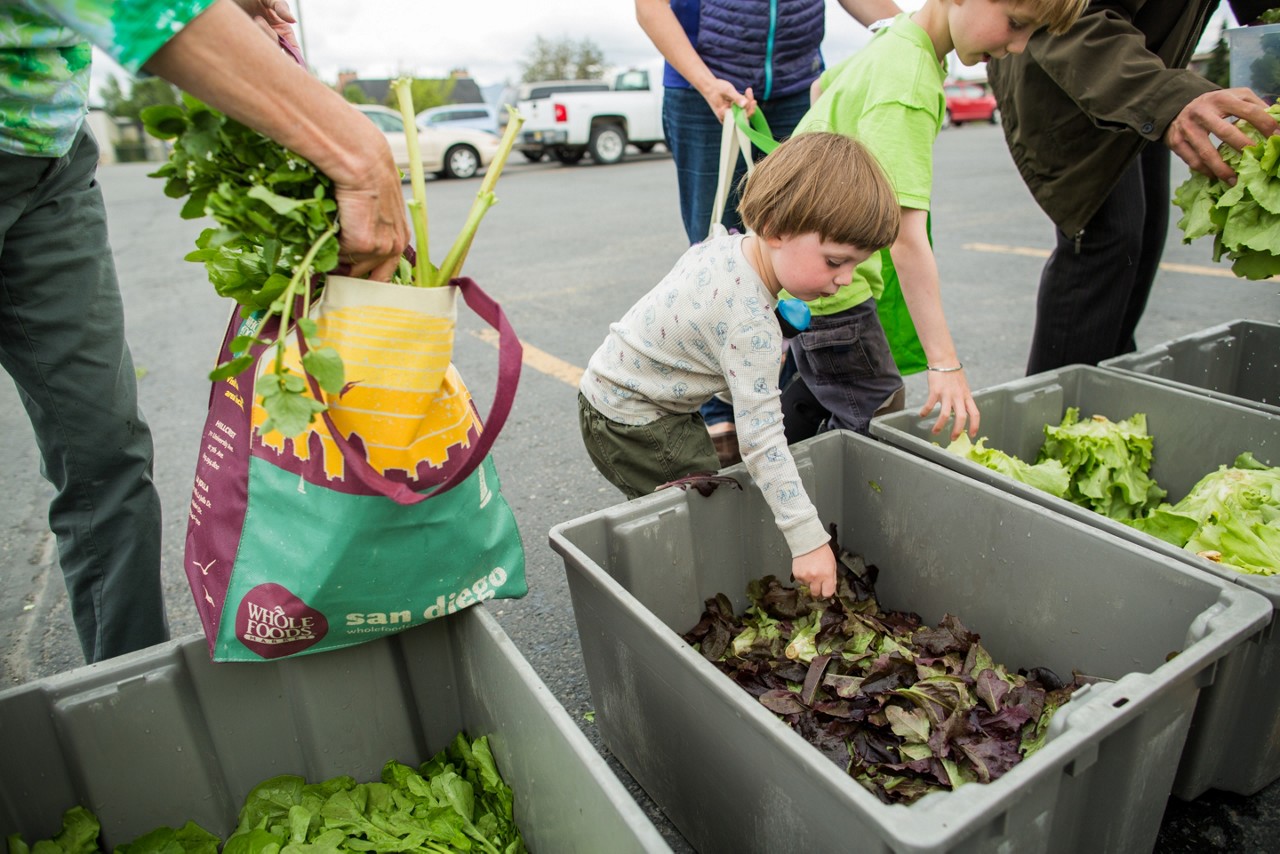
1244,220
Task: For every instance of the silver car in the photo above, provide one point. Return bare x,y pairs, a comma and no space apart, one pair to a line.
450,152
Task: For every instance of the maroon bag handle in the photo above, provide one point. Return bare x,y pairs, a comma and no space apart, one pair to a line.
292,50
510,360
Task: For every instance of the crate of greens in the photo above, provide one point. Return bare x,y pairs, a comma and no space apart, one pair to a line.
1189,477
440,738
991,578
1238,362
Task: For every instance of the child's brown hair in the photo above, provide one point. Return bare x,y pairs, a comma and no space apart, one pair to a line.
1056,16
825,183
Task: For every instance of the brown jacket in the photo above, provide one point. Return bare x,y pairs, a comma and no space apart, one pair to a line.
1077,108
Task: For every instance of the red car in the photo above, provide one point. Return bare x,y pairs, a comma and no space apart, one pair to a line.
969,102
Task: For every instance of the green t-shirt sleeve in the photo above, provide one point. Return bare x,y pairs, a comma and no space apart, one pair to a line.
129,31
830,74
901,138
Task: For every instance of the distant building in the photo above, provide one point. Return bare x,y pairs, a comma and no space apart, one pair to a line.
376,89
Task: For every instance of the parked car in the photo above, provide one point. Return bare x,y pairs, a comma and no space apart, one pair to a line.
478,116
570,125
450,152
969,102
539,90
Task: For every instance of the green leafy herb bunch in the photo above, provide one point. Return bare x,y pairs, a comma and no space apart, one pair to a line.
276,231
276,227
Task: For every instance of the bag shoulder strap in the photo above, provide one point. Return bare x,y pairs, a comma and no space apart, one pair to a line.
732,143
510,359
737,135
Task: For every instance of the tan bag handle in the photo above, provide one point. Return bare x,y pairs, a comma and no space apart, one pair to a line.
733,141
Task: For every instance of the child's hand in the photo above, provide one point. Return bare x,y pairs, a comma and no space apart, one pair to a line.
816,570
951,391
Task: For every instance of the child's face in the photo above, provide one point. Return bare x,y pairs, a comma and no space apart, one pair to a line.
809,267
982,30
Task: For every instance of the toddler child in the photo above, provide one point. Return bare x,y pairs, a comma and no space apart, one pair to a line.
815,208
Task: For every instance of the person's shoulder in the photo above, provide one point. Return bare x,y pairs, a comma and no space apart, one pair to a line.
708,260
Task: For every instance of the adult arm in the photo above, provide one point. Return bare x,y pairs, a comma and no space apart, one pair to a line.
660,25
1104,66
867,12
222,58
918,276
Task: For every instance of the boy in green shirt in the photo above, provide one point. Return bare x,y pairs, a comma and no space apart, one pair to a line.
889,96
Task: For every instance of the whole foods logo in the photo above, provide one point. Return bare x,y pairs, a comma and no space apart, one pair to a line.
273,623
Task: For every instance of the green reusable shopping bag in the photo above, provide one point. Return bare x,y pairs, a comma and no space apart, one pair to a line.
891,308
384,514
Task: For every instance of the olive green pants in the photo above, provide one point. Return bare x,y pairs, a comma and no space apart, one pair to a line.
639,459
62,342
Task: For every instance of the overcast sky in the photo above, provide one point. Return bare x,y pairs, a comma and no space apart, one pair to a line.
489,38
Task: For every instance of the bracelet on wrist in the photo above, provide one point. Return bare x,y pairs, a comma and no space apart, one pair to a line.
958,367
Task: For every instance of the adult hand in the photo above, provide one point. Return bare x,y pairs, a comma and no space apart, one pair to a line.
1213,113
950,390
817,571
273,17
721,96
373,229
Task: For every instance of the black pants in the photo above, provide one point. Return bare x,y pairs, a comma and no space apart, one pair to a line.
1094,289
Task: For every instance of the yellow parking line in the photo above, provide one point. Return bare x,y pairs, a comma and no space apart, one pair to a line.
1028,251
539,360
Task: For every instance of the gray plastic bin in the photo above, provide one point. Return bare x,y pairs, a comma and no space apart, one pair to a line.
162,736
1235,742
1041,589
1238,362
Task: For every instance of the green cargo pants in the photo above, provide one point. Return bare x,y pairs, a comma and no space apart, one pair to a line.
62,341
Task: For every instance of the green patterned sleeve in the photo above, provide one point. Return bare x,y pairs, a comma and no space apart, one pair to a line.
130,31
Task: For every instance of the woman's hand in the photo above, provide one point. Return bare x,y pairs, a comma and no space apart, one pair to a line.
721,97
273,16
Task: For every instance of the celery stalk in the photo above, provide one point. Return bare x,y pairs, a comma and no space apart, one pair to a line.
485,199
427,275
417,207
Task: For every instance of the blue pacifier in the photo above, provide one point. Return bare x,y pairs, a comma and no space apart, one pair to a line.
793,316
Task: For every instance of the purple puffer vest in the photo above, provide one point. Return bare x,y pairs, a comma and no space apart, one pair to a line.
773,46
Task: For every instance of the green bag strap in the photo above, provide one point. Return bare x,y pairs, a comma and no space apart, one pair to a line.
756,128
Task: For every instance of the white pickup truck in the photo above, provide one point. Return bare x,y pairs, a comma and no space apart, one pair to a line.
568,125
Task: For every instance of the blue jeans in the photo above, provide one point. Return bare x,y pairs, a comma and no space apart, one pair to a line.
693,135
